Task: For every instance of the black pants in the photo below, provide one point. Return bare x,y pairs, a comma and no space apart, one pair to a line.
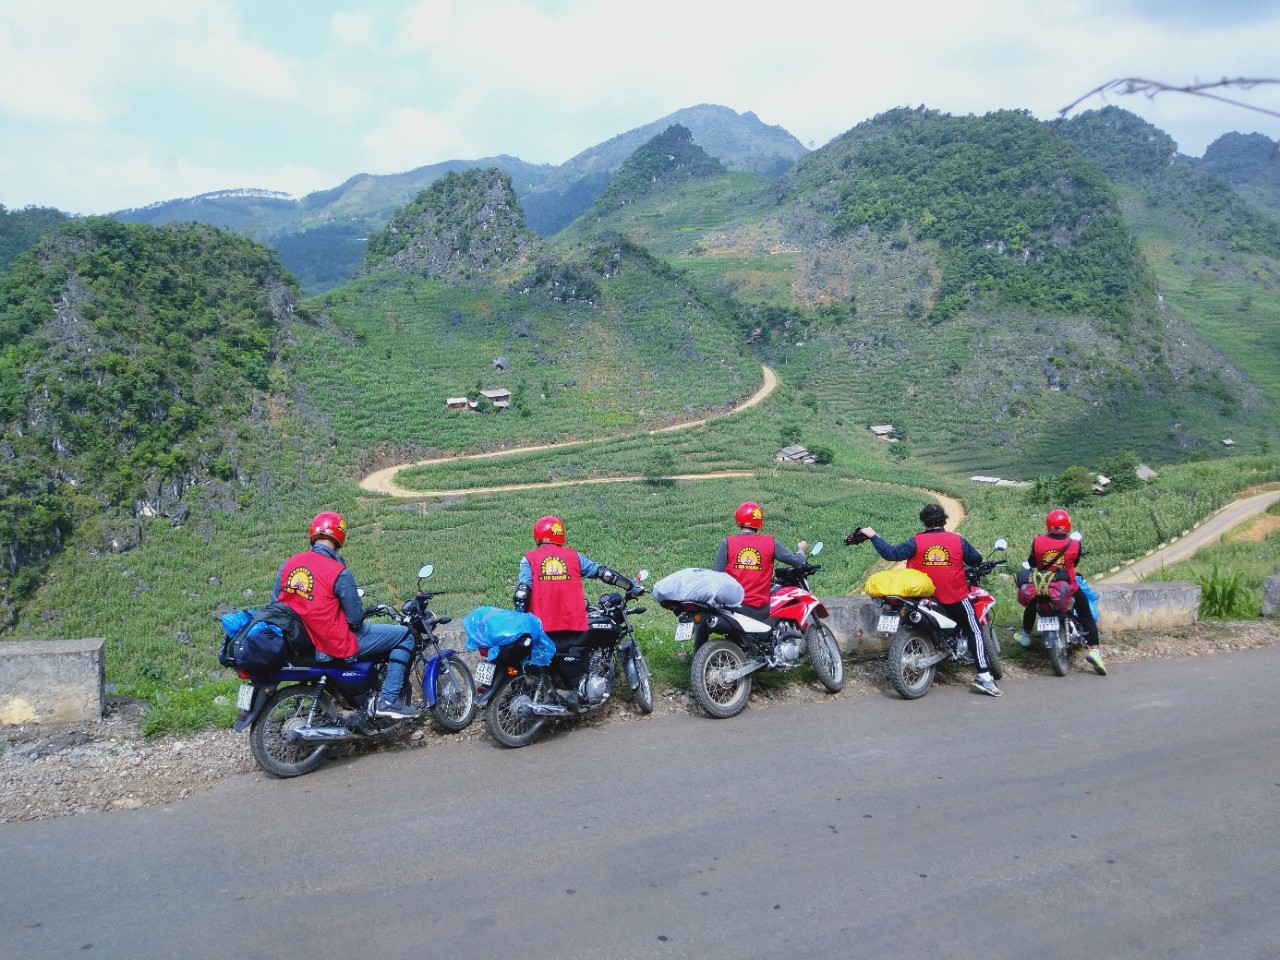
1084,613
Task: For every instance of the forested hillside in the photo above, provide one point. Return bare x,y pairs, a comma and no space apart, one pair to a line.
973,280
136,364
1216,257
20,229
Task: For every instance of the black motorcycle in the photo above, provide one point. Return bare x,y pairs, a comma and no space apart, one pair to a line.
295,713
520,697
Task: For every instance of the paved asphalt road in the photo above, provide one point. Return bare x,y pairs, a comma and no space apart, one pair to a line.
1132,816
1207,534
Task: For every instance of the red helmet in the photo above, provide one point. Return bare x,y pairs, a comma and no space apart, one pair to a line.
1058,521
331,525
749,515
549,530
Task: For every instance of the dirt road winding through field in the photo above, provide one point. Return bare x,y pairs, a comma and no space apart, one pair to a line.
383,481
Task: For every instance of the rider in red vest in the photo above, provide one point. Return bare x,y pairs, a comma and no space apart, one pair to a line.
942,556
1059,548
549,585
319,588
748,556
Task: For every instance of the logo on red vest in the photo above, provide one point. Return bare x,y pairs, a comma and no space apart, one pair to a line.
1053,558
748,558
553,568
936,555
301,582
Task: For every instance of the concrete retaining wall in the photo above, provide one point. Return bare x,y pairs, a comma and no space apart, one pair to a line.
51,681
1271,597
1146,606
1121,607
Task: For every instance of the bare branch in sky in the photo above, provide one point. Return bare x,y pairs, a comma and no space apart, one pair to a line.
1149,88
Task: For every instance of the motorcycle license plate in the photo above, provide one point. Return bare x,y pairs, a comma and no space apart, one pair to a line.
244,698
684,631
484,673
1047,624
888,623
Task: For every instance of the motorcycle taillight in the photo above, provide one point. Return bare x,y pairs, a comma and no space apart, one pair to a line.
244,674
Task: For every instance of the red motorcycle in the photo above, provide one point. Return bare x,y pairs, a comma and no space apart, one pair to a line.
923,636
720,672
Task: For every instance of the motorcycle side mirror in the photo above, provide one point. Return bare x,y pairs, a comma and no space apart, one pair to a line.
817,549
360,592
1075,535
1001,544
641,576
426,571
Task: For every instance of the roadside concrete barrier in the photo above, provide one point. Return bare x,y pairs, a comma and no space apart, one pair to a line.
51,681
1271,597
1154,605
1121,607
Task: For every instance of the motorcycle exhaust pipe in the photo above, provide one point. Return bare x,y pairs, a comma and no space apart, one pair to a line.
314,734
531,709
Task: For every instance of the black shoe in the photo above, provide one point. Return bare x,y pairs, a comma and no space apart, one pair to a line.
395,709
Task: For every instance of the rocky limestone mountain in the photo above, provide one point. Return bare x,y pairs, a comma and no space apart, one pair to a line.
464,228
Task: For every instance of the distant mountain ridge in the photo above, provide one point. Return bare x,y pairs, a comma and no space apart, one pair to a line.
321,236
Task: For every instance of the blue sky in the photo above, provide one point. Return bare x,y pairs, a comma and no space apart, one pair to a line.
107,105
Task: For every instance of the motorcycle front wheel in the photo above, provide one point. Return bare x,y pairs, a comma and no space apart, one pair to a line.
286,709
504,723
911,679
824,654
720,698
455,705
992,646
642,693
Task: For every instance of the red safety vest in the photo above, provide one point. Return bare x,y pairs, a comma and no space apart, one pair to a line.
306,585
557,598
749,560
1051,552
940,555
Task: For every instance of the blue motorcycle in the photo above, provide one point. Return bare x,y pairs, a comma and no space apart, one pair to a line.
291,727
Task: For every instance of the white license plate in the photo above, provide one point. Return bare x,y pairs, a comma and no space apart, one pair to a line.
684,630
888,623
244,698
484,673
1047,624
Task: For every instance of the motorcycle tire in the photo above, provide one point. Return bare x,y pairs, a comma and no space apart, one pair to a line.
455,705
718,698
504,723
825,655
642,692
289,707
1055,642
911,680
992,647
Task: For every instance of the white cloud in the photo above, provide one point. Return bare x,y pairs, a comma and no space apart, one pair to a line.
407,137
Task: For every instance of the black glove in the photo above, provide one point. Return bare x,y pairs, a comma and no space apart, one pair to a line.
855,538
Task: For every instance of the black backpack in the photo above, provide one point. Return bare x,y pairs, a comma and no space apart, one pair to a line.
264,640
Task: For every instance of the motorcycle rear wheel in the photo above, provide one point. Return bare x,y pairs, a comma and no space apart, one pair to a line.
825,655
992,646
455,705
505,725
911,680
1055,642
719,698
287,708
